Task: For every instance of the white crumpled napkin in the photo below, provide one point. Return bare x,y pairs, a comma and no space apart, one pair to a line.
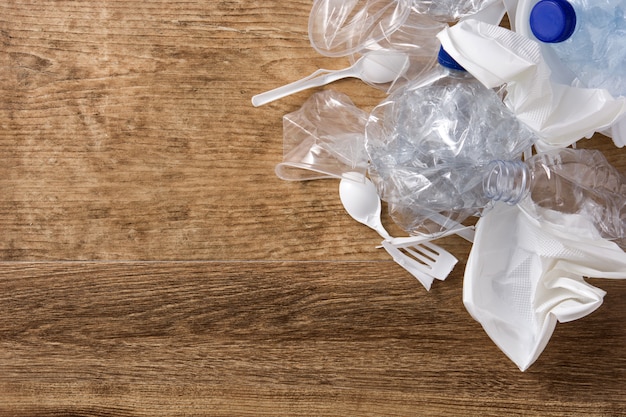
523,276
560,114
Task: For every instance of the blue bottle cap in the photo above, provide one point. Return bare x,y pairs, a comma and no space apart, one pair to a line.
553,21
447,61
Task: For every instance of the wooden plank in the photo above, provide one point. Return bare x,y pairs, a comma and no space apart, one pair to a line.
281,338
128,133
179,276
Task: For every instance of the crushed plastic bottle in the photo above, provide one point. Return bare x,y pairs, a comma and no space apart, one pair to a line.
588,37
563,181
427,141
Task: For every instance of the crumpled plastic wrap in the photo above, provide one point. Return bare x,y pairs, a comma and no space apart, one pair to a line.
324,139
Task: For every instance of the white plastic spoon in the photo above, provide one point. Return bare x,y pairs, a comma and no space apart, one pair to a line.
424,260
376,67
362,203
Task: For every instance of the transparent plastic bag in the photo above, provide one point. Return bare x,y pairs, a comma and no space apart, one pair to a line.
324,139
426,144
343,27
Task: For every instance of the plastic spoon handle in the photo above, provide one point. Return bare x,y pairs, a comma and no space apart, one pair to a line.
313,80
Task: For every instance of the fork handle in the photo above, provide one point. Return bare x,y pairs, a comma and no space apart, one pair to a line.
466,232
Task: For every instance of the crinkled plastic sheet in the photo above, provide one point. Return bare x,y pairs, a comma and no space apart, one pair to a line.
324,139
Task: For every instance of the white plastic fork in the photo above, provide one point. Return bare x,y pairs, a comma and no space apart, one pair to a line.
424,260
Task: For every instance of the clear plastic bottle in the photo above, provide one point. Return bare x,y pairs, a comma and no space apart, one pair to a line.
588,37
567,181
427,144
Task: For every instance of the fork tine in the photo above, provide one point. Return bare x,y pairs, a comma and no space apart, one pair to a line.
417,269
444,261
425,256
418,255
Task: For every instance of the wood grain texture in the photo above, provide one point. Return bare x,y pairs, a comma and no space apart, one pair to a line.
151,263
280,338
127,132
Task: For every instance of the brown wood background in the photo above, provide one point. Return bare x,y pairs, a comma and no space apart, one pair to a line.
152,264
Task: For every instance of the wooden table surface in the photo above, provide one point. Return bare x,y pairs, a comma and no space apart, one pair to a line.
151,263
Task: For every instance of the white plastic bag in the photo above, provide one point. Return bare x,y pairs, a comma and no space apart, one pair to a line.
523,276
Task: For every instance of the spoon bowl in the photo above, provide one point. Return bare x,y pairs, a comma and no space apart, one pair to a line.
361,201
381,67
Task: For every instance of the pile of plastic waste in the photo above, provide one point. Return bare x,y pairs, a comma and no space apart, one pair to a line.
479,122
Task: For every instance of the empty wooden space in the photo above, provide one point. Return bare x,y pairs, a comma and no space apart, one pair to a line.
151,263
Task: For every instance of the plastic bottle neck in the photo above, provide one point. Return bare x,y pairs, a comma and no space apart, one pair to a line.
507,181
